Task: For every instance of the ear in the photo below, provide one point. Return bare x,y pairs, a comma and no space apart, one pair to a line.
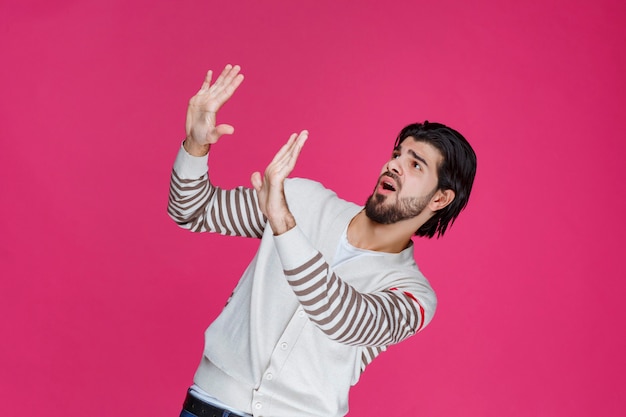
441,199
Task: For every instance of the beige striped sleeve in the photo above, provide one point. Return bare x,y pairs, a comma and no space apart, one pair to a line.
195,204
349,316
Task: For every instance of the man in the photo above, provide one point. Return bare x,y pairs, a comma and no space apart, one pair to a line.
332,284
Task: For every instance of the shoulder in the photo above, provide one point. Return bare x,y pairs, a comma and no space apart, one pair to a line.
313,204
304,185
403,272
412,283
309,191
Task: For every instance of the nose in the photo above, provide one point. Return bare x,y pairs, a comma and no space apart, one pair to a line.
394,166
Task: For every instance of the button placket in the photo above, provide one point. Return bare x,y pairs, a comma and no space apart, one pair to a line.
281,352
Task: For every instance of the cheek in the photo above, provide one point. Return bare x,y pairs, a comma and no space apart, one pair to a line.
418,187
429,181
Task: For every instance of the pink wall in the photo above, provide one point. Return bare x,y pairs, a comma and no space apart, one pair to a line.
104,300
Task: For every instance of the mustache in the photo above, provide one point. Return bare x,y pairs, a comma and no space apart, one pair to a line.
393,176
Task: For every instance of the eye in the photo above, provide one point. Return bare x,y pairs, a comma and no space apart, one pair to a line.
417,165
395,155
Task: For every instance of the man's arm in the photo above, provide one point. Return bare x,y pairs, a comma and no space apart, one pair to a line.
194,203
344,314
338,309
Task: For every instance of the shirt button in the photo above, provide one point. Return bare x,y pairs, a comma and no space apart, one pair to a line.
258,406
269,377
283,346
301,314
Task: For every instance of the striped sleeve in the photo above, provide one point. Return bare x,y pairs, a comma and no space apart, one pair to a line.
195,204
344,314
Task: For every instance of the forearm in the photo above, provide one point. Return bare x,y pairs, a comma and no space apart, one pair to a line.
279,216
195,204
338,309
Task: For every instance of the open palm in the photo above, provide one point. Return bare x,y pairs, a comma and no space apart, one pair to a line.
201,127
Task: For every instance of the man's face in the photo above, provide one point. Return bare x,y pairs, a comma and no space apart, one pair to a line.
406,184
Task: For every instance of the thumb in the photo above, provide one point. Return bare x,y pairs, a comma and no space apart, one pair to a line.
256,181
224,130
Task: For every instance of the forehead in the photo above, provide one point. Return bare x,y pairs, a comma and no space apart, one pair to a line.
431,155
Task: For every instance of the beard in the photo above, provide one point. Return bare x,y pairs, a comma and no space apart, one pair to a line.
403,209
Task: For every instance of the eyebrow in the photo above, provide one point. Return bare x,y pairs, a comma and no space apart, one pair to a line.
413,154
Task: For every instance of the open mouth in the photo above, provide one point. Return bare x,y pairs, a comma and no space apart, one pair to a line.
388,186
389,182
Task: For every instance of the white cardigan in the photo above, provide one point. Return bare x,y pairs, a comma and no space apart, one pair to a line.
296,333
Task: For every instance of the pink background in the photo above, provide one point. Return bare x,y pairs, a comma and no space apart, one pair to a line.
104,300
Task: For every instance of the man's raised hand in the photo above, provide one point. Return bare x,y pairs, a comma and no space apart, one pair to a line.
201,128
269,186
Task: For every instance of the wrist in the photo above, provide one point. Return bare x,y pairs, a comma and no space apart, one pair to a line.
194,148
282,224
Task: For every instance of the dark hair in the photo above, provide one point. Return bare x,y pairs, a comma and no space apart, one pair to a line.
456,171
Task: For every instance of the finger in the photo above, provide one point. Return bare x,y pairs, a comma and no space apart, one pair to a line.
230,88
285,160
231,75
226,84
283,152
221,77
302,136
256,181
207,81
226,78
224,129
297,148
294,145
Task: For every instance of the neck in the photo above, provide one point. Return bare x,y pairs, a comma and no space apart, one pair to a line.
364,233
